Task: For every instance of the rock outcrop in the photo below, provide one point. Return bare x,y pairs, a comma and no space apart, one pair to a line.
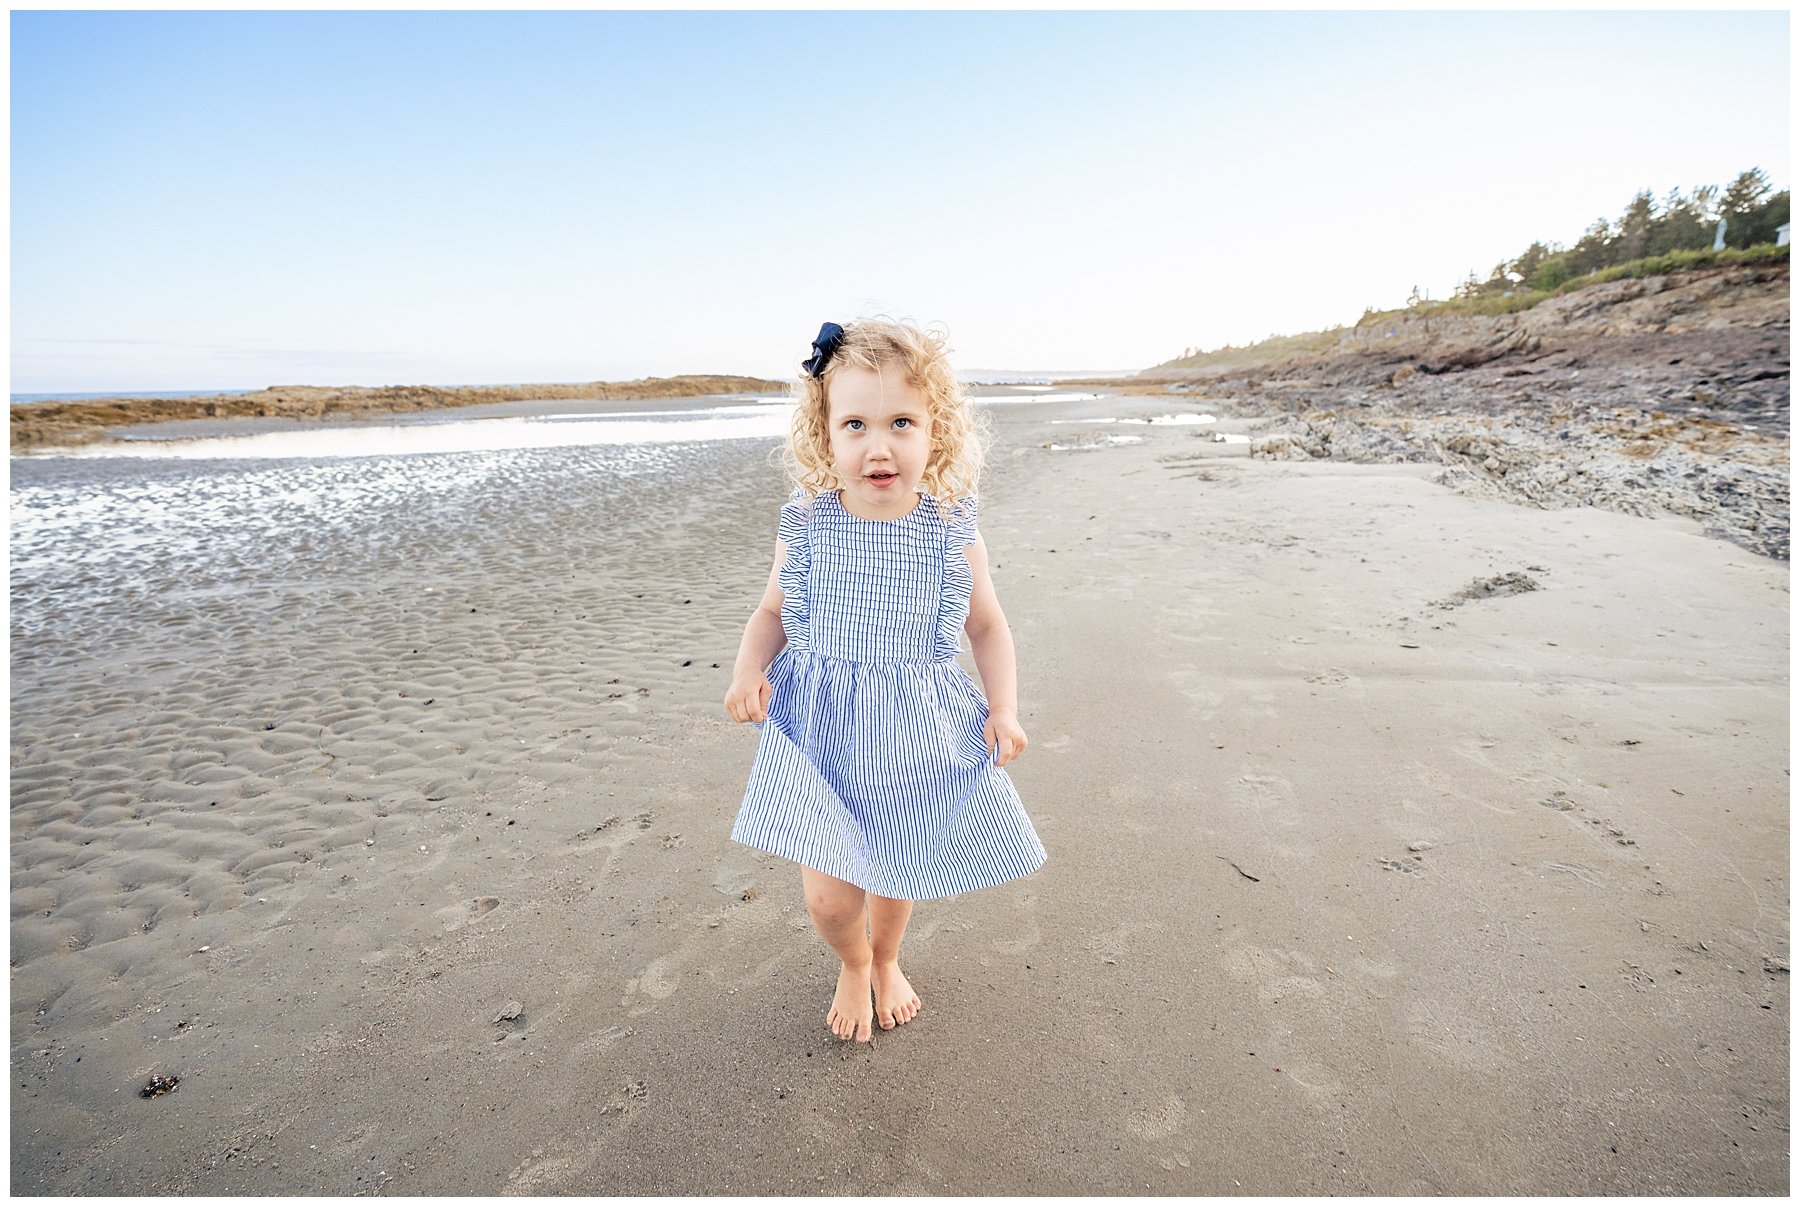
1661,394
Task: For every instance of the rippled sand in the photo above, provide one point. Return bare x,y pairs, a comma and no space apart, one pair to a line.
252,700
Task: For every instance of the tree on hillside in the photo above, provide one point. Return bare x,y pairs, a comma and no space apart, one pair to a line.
1751,214
1747,209
1686,223
1552,271
1633,239
1527,263
1590,251
1774,214
1681,223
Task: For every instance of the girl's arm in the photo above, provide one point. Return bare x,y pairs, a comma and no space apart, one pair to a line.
747,699
990,640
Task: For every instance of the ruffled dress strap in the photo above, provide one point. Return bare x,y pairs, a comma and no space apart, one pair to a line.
963,513
794,531
959,576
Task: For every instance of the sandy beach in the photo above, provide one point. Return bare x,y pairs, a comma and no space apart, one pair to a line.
1402,841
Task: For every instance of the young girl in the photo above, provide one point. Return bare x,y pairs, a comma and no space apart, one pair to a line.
878,768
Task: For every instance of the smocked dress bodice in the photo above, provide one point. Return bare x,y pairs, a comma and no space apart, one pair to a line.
875,590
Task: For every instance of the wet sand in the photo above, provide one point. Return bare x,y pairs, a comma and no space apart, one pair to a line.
1400,841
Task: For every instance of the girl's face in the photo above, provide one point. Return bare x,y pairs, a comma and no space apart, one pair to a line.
880,440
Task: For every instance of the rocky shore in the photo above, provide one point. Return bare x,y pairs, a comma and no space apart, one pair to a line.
61,424
1657,394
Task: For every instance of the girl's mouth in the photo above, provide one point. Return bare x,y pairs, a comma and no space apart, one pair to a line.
882,479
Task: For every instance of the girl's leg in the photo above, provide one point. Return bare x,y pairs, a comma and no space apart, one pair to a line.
839,914
895,1001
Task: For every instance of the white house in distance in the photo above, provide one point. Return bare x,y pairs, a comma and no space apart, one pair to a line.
1781,234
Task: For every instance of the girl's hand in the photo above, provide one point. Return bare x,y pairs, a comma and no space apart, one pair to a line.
1003,728
748,697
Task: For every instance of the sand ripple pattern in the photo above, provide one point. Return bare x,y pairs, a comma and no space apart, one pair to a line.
230,679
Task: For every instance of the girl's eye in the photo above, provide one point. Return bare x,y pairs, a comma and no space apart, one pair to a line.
854,425
902,420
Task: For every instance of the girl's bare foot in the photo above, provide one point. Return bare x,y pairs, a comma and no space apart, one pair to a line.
895,1001
850,1013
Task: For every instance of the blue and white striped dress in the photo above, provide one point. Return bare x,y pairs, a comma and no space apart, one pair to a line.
871,767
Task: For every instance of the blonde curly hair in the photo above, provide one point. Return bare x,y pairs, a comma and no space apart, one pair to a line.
959,436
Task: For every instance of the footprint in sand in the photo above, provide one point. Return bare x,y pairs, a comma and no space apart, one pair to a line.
1190,682
1197,624
613,834
1288,983
1586,875
662,976
1114,945
658,982
605,1038
1265,794
1601,828
938,920
537,1173
1475,751
1255,965
1159,1120
466,910
1027,935
1314,1078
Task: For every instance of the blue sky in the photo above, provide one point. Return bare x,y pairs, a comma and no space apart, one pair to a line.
213,200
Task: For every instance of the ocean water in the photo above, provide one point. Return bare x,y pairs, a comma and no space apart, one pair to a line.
21,399
439,432
91,521
1018,378
414,435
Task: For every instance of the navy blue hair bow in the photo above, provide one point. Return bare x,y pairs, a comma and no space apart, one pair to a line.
829,337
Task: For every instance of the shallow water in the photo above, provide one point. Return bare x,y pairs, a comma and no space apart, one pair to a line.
1185,417
102,538
1096,442
438,435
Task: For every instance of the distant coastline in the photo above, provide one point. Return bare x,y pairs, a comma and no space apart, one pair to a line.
84,420
39,397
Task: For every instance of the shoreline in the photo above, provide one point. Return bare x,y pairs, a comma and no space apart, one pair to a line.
181,430
1549,445
37,424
